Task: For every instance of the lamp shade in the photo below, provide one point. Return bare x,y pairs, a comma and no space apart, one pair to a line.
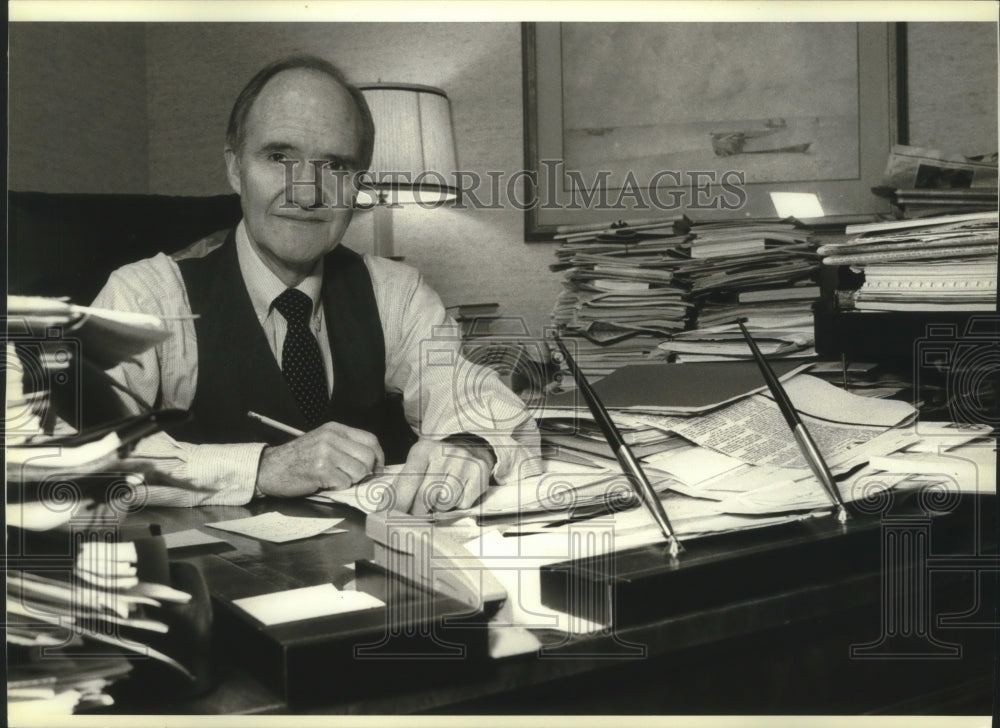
414,156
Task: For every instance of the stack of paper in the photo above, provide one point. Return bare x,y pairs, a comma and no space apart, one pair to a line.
619,297
789,336
922,182
740,459
57,470
106,336
714,239
945,263
631,294
923,202
101,606
770,285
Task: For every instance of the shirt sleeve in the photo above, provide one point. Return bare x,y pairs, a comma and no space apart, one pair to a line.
177,473
444,393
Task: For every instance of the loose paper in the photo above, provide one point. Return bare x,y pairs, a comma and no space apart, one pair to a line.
813,396
517,569
305,603
190,537
279,528
692,465
369,496
754,430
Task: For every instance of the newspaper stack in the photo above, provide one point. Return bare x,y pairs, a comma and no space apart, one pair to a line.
632,295
619,298
944,263
922,182
760,271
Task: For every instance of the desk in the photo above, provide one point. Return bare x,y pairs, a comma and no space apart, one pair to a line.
784,649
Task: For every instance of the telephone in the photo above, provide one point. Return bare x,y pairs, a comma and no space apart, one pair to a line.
411,548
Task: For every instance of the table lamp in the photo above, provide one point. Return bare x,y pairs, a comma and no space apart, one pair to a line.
414,156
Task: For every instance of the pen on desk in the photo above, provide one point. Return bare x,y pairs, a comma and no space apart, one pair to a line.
630,466
281,426
805,442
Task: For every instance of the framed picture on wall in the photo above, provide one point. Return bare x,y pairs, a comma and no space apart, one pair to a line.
637,121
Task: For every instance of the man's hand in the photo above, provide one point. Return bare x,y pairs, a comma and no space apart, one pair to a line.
333,456
440,476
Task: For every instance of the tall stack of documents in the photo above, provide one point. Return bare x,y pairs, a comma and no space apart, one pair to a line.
762,271
68,637
620,298
943,263
673,291
73,618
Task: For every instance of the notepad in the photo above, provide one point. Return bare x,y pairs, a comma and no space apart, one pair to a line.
305,603
277,527
190,538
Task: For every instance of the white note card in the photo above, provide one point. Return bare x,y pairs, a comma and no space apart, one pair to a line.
305,603
277,527
188,538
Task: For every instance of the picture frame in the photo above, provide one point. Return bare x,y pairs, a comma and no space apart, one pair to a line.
584,135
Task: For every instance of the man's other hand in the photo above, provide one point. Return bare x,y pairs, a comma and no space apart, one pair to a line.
441,476
333,456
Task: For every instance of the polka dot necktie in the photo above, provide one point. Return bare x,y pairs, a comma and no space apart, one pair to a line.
301,361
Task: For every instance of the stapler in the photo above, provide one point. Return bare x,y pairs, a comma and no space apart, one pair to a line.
414,550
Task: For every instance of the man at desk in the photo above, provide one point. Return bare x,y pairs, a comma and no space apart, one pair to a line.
295,327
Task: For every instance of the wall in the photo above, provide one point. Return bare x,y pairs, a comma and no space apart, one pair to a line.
952,79
77,120
159,126
467,256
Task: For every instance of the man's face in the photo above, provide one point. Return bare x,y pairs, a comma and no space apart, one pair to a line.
307,117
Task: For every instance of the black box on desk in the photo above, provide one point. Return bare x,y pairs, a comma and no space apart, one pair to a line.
897,338
418,640
645,583
804,558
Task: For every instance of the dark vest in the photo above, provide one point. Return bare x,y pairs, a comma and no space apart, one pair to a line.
237,372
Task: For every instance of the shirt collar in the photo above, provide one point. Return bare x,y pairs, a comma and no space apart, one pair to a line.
262,284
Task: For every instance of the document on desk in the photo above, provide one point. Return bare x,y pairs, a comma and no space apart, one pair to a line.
957,455
969,467
190,538
848,428
690,518
517,569
943,437
368,496
561,486
306,603
277,527
781,490
693,465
